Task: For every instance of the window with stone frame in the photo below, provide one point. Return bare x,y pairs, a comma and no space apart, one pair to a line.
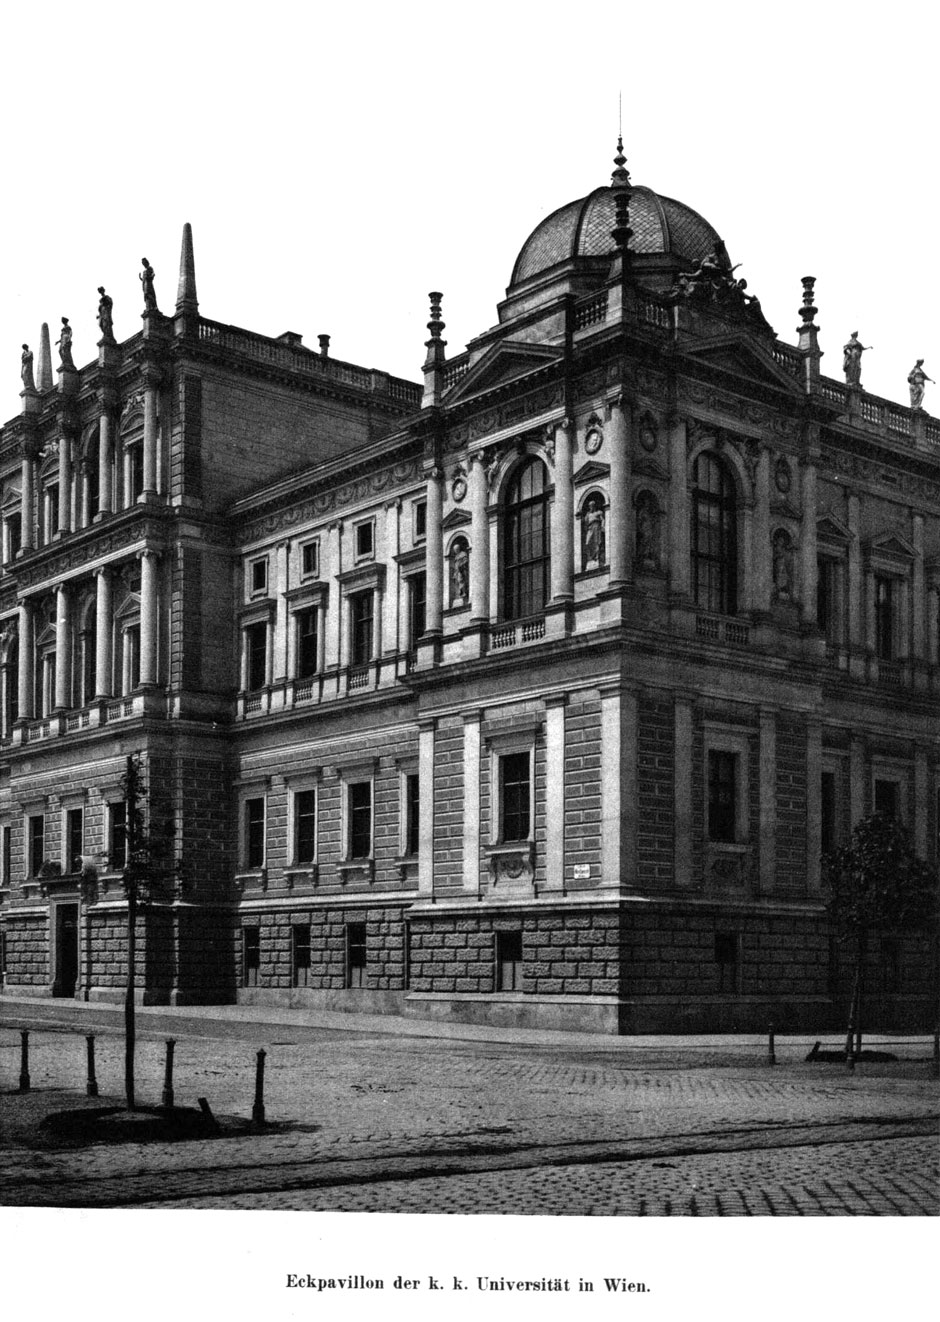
728,961
722,795
12,534
251,956
310,559
133,472
887,797
6,855
829,598
256,655
74,839
50,511
300,954
361,627
714,536
359,819
356,954
117,836
887,596
305,826
515,796
412,810
526,541
417,608
253,832
36,837
307,635
509,960
258,576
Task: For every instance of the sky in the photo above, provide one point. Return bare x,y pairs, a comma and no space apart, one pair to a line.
338,162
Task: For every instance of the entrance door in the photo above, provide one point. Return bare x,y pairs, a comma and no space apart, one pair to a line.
66,959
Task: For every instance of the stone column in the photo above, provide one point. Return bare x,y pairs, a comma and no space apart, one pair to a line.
767,798
555,792
480,536
933,625
857,772
813,802
618,786
682,791
904,619
151,379
27,531
426,807
334,606
855,574
103,633
918,591
471,802
619,522
678,509
761,569
105,461
65,483
920,800
434,543
149,618
393,593
279,668
870,635
563,515
24,678
63,648
808,546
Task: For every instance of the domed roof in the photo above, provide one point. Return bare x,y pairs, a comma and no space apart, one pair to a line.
583,229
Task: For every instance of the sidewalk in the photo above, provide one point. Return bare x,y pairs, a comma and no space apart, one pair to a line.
20,1011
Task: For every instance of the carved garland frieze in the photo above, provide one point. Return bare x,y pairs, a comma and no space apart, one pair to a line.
853,466
324,502
85,552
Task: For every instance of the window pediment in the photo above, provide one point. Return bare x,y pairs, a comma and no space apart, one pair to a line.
591,472
365,576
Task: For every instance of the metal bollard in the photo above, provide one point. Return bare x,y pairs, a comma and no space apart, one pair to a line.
167,1098
771,1052
257,1111
91,1087
24,1060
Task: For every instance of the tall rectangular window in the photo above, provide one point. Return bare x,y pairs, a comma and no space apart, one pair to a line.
714,536
305,826
117,844
75,839
51,510
417,608
251,955
365,539
6,853
361,619
307,642
300,952
254,833
827,806
887,798
722,777
884,617
135,461
727,959
256,655
412,807
258,577
310,559
14,536
37,852
509,961
355,954
420,508
515,796
360,819
827,598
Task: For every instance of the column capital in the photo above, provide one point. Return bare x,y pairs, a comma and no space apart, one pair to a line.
151,374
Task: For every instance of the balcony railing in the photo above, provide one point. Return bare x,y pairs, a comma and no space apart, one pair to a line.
716,629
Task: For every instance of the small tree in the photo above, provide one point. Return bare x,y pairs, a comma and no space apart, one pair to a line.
876,882
145,862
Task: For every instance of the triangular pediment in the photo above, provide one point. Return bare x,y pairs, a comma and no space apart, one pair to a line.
591,472
891,543
507,361
647,466
455,519
744,356
831,529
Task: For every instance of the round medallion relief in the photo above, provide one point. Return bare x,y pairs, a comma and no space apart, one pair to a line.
458,488
592,442
782,476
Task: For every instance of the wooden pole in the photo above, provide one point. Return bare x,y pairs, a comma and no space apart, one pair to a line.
167,1098
257,1111
24,1060
91,1087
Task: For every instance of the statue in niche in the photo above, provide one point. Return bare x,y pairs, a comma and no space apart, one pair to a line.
459,573
783,565
146,280
105,320
852,360
64,345
593,532
646,519
917,379
26,368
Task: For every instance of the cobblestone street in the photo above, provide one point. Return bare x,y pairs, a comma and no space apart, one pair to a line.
372,1115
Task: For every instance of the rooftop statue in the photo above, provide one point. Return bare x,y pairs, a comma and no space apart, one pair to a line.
105,304
26,368
146,279
852,360
65,345
917,379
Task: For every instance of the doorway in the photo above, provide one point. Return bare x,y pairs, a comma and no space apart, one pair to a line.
66,950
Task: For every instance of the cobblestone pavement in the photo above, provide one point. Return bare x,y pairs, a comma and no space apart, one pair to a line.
369,1121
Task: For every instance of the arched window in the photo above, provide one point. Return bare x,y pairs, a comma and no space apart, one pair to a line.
526,542
714,536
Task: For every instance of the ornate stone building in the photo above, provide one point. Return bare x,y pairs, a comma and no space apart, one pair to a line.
532,695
